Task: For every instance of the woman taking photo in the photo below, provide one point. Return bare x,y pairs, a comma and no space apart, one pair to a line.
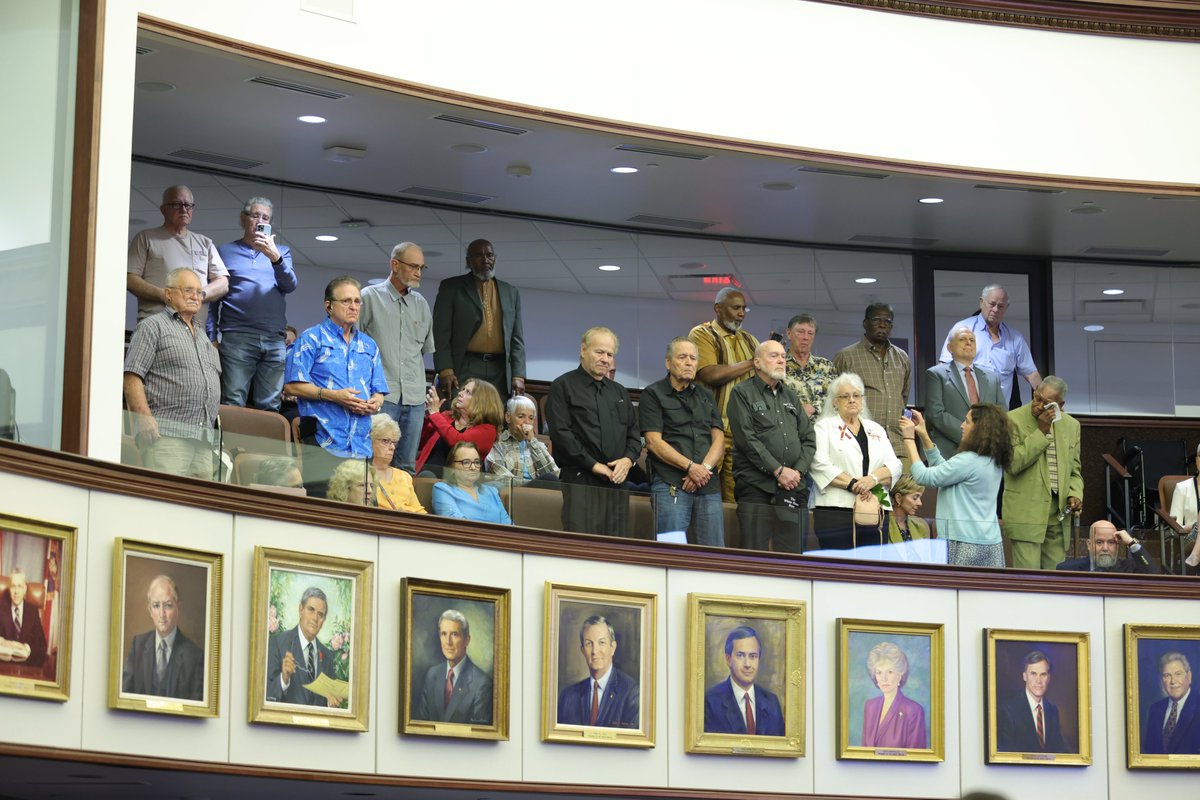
853,457
969,482
475,415
461,495
393,486
518,453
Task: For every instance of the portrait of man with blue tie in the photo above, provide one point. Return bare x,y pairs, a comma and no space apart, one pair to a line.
1169,714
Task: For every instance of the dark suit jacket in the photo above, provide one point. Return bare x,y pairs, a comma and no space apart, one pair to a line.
31,632
281,643
471,702
724,714
1137,562
1186,737
458,313
1015,730
619,707
946,402
185,670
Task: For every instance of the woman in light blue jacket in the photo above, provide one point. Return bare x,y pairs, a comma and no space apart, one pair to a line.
968,482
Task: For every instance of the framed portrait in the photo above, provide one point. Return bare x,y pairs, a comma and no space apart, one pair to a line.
598,666
1161,717
1037,703
454,676
745,676
165,639
37,584
310,646
891,691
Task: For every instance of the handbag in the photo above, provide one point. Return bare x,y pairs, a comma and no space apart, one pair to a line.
868,513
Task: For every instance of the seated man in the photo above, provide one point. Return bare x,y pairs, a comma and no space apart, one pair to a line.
20,621
1104,541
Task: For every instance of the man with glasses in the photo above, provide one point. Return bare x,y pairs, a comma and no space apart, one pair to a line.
998,347
173,383
397,317
885,371
251,318
336,374
1105,544
477,327
154,252
951,389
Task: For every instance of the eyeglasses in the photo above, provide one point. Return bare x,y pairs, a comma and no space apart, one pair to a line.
855,397
388,442
187,292
418,267
473,463
180,206
349,301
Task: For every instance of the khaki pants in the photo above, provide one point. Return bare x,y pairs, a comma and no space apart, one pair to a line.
1050,551
727,471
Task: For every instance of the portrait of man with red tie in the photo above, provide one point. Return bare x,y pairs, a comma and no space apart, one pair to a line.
738,704
454,689
607,697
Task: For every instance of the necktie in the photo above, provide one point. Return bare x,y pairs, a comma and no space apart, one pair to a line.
1052,464
17,617
449,690
1172,718
1041,728
972,389
595,702
160,669
308,660
749,714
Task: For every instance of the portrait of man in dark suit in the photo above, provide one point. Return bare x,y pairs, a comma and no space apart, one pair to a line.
1173,725
454,689
296,657
163,662
1028,722
737,704
607,698
20,620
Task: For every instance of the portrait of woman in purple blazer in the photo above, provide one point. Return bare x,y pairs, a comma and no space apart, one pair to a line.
890,719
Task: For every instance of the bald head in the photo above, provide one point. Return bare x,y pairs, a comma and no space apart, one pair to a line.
770,362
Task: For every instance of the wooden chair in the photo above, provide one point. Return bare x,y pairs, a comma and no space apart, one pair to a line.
1169,531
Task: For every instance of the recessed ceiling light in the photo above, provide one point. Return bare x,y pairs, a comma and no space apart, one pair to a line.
609,268
468,148
1114,291
1093,328
156,86
432,253
781,186
374,281
326,237
931,201
693,265
1087,207
624,170
311,119
865,280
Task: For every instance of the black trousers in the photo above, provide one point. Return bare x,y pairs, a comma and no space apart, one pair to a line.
768,527
835,529
493,369
592,504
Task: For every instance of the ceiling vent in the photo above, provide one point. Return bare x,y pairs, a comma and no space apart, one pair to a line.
445,194
897,240
1111,308
1174,198
844,173
997,187
142,50
672,222
482,123
1127,252
235,162
658,151
301,88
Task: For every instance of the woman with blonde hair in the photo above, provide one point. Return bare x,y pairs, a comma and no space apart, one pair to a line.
351,482
475,415
891,719
904,525
393,486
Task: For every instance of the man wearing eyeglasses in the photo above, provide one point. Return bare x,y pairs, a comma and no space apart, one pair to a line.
998,347
397,317
251,318
154,252
173,383
335,372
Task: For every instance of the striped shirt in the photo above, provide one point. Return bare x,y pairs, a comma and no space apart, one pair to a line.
715,345
181,372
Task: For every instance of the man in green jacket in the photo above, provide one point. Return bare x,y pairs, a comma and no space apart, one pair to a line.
1044,485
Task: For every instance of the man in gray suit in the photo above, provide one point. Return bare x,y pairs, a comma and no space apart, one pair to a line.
454,690
477,327
951,389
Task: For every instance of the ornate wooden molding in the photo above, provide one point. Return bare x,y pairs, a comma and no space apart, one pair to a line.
1172,20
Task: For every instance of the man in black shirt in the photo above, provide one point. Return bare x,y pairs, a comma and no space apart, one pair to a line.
594,433
773,446
685,437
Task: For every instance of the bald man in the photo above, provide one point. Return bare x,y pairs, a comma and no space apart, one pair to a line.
1104,542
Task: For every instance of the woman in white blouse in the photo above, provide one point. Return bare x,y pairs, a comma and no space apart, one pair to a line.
853,457
1183,509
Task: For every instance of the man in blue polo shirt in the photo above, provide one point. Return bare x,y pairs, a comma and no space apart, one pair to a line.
335,372
252,316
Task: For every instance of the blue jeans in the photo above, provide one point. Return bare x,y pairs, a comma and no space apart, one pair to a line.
698,514
410,419
252,369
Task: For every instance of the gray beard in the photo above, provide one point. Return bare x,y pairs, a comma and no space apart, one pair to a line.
486,276
1105,560
732,327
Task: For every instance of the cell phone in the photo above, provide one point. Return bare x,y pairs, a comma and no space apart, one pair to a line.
264,228
908,413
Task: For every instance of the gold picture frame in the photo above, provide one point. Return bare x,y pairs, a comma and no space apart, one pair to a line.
470,625
1159,660
328,600
765,640
35,659
619,650
165,594
1020,664
905,660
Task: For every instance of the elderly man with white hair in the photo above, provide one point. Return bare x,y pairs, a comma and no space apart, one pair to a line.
999,347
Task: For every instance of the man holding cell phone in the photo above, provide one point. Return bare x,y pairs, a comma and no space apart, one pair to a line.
252,317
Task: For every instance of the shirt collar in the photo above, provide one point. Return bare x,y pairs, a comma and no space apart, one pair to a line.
169,639
603,679
739,691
